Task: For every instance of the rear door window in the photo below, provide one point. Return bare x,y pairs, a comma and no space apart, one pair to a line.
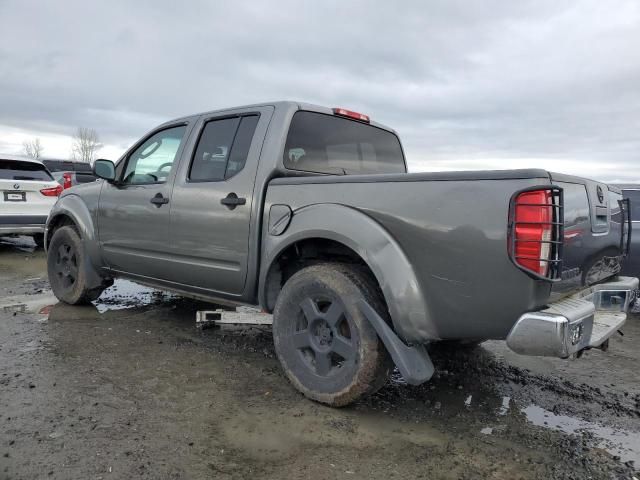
328,144
17,170
223,148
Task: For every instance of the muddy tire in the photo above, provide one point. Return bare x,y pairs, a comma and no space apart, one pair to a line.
38,238
326,346
66,269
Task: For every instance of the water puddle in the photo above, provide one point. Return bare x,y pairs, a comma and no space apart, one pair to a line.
126,294
621,443
504,408
21,304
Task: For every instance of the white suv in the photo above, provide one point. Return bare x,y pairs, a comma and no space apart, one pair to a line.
27,193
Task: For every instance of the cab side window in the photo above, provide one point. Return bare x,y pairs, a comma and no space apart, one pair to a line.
153,161
223,148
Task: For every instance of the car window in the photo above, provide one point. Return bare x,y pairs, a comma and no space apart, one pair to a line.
328,144
241,145
82,167
57,166
634,200
223,148
17,170
153,161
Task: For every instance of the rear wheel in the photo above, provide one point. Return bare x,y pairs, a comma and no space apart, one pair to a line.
327,347
66,268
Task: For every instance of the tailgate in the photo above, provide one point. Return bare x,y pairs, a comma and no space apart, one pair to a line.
595,232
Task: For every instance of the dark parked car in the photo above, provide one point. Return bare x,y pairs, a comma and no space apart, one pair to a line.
68,173
310,213
632,192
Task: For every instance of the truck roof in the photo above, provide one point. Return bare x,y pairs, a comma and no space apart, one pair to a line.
279,105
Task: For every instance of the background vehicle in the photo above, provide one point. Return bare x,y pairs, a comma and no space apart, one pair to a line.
28,192
632,192
68,173
310,213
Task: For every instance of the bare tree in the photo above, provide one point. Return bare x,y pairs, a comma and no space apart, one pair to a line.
85,145
33,148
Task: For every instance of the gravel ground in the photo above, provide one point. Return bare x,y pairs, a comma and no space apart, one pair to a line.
129,388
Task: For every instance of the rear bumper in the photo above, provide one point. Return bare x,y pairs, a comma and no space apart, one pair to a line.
584,320
22,224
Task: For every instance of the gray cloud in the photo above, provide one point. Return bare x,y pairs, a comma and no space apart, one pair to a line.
467,84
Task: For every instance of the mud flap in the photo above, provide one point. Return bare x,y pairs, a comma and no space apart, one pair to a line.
92,277
414,363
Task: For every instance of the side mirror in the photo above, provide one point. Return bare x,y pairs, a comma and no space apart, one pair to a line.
104,169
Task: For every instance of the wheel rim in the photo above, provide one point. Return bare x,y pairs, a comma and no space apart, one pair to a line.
323,336
66,266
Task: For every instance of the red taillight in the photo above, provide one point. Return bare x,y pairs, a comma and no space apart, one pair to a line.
533,229
52,192
343,112
66,177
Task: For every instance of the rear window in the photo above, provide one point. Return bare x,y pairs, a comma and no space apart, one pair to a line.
334,145
17,170
58,165
634,200
82,167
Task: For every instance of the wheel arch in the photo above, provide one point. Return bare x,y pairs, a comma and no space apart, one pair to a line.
367,242
71,210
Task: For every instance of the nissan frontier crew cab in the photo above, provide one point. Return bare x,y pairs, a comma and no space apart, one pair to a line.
309,212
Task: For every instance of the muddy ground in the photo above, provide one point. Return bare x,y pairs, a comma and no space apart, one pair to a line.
129,388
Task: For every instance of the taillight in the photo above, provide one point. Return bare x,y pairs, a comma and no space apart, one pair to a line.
343,112
66,177
52,192
536,231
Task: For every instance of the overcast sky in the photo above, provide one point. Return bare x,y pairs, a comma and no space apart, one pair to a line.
468,85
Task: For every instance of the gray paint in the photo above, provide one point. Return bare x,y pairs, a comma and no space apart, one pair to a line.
432,255
632,262
437,243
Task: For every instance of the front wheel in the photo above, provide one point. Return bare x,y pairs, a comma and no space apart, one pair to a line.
326,346
66,268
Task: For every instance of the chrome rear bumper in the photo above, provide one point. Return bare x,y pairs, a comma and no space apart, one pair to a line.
584,320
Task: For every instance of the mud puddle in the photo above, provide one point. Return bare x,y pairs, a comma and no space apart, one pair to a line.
618,442
124,294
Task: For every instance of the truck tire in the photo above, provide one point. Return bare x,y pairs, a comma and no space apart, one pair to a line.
327,347
66,269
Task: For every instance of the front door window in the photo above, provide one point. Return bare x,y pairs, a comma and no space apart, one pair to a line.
153,161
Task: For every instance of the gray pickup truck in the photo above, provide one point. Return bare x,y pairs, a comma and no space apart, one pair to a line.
310,213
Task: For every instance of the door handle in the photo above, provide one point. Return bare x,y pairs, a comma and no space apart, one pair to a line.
232,201
159,200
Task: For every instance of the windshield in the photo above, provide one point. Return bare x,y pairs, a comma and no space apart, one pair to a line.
17,170
329,144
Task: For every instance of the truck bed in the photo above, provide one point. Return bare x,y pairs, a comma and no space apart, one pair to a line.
454,227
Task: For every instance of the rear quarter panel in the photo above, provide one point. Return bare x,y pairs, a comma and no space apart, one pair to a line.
454,232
